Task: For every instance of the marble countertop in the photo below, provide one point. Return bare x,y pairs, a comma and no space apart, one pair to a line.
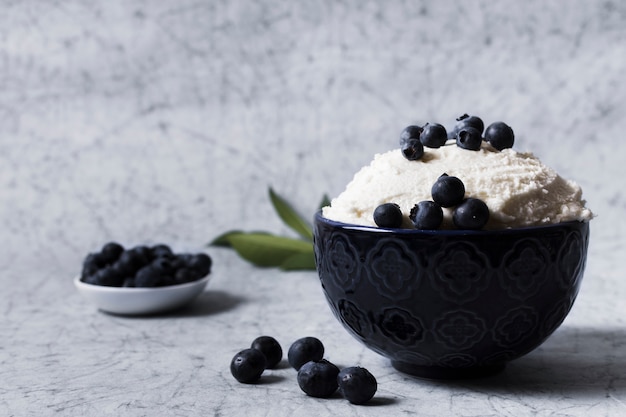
146,122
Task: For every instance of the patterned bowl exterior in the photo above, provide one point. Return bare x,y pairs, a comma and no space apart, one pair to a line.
450,304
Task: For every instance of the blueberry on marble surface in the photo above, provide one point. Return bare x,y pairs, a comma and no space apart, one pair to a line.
357,384
448,191
304,350
471,214
388,215
248,365
318,378
270,348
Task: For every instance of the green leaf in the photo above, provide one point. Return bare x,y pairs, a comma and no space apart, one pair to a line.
290,217
299,261
263,249
325,201
223,240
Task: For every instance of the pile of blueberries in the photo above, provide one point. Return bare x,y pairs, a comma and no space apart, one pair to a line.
467,132
143,266
448,191
317,377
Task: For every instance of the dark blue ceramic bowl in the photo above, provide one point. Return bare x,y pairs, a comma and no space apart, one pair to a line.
449,303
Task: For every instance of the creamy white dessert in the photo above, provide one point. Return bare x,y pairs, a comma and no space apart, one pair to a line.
519,190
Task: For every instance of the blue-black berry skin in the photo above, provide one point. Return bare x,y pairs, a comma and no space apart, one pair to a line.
388,215
500,135
248,365
434,135
132,260
143,266
270,348
91,265
412,150
318,378
111,251
304,350
426,215
471,214
357,384
410,132
148,276
467,120
108,277
184,275
161,250
469,138
448,191
200,263
165,265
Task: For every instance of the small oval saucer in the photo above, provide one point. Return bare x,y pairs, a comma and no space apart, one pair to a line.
141,301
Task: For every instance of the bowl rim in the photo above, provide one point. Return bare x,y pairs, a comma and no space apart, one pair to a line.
439,232
137,290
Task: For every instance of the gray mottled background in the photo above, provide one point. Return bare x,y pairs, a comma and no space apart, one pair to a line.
167,120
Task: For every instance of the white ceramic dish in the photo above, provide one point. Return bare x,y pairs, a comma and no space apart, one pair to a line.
141,301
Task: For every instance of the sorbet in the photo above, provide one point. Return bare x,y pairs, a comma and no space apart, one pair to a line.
519,190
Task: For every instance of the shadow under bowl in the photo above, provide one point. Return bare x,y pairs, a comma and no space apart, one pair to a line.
450,304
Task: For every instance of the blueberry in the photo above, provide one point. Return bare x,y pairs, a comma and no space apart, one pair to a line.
144,251
270,348
200,263
434,135
471,214
357,384
448,191
168,280
318,378
111,251
500,135
148,276
304,350
426,215
247,365
164,265
132,260
160,250
184,275
469,138
388,215
467,120
410,132
181,260
413,149
129,282
92,263
108,277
